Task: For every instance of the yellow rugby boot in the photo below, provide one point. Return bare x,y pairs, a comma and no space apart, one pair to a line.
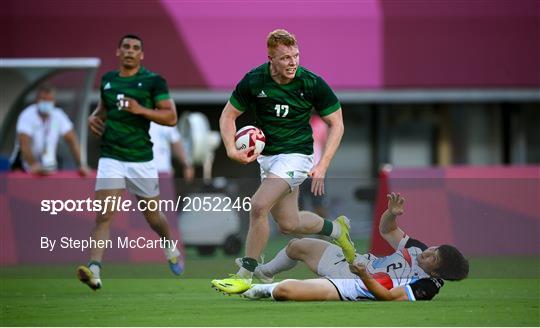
344,240
232,285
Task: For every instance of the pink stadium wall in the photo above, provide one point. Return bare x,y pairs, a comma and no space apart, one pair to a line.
372,44
494,43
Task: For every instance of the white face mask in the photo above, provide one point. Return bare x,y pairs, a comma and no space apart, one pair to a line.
45,107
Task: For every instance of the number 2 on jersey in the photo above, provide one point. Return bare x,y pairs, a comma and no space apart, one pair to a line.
279,108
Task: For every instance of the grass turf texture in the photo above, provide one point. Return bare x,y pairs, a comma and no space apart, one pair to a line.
148,295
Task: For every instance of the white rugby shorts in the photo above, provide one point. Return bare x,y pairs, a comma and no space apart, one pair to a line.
335,268
333,264
293,168
139,178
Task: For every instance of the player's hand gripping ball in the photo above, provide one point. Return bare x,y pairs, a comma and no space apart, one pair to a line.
249,136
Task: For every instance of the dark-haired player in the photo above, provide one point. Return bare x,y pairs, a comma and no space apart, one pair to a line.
413,272
131,97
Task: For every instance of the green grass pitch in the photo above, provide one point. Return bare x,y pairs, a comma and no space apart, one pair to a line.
499,293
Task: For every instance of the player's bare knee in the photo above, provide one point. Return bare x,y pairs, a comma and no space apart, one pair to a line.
293,248
153,216
155,225
292,243
300,249
155,219
258,210
287,227
104,218
284,291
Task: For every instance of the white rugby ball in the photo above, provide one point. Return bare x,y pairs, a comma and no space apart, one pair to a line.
250,136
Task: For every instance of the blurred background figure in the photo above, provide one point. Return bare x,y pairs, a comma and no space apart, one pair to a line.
168,144
39,128
317,202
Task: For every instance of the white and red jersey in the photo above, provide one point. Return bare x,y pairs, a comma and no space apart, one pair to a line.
398,269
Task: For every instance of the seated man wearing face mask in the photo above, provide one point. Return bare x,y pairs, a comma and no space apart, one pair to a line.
39,128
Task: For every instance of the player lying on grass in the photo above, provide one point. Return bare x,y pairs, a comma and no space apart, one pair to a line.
413,272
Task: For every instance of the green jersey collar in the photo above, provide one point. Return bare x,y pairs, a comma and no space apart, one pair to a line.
141,71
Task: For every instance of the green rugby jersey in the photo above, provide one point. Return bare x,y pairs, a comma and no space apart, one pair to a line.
126,135
283,111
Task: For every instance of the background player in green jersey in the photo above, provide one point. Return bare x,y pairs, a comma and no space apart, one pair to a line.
131,97
282,95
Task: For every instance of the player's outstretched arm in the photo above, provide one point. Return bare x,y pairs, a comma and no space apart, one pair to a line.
227,127
388,227
378,290
335,133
